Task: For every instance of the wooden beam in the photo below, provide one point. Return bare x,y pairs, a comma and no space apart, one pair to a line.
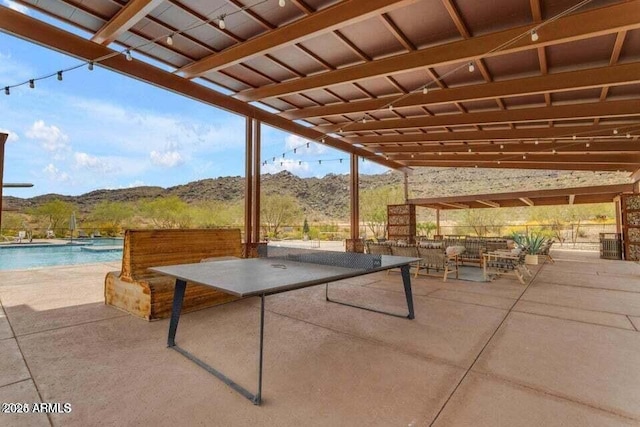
592,23
546,157
572,198
558,82
562,147
556,112
487,135
3,139
39,32
635,176
326,20
127,17
620,167
489,203
528,196
455,205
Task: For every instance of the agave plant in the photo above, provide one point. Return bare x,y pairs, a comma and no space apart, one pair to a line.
532,241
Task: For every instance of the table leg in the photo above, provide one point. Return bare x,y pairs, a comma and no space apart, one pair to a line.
406,281
258,397
178,297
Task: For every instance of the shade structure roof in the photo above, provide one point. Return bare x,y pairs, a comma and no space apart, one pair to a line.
528,84
560,196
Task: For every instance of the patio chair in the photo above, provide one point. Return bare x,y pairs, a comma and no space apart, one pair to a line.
410,251
434,257
506,262
96,233
378,248
82,234
51,234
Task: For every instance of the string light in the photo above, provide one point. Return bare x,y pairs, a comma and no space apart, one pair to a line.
7,91
536,143
469,150
524,157
588,145
573,137
127,55
221,22
90,65
32,84
425,90
534,36
615,131
170,40
554,151
472,67
390,107
501,146
282,3
628,135
59,75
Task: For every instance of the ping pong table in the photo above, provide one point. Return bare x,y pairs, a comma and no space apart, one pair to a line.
277,270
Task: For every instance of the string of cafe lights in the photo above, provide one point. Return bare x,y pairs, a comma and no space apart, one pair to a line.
532,33
219,20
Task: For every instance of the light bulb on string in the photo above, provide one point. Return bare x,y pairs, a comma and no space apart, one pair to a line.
472,67
534,36
90,66
127,55
425,90
282,3
170,40
221,24
59,75
7,91
587,145
615,131
628,135
32,84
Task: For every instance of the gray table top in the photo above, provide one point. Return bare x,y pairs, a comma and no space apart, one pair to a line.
256,276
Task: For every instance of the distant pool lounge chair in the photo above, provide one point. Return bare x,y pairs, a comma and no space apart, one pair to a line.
96,233
22,234
51,234
82,234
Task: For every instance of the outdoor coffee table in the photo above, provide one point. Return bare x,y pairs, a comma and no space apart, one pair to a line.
277,270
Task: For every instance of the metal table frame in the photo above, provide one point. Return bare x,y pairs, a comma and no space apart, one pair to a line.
178,298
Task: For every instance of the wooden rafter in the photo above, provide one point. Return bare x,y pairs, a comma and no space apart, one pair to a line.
558,82
127,17
328,19
592,23
626,108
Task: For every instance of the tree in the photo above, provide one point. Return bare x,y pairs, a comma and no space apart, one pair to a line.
217,213
111,215
278,210
373,207
167,212
55,213
484,221
305,228
426,228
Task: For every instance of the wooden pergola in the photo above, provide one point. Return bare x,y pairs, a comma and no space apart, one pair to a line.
525,84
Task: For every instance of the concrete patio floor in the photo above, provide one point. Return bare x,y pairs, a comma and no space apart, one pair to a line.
562,350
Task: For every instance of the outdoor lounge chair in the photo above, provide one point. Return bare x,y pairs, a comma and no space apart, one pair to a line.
22,234
506,262
544,251
410,251
82,234
96,233
434,257
51,234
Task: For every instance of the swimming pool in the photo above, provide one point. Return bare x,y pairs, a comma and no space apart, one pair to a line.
29,256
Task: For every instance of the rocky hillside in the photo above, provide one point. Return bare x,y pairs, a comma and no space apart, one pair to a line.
328,197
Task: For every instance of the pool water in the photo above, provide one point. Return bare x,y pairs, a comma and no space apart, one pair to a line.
30,256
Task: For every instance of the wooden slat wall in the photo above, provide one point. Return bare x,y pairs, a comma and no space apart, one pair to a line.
150,295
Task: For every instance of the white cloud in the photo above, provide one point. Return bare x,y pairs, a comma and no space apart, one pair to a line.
166,158
293,166
54,174
93,163
13,136
15,6
137,183
51,137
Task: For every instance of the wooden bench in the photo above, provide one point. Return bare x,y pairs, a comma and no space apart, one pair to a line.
149,295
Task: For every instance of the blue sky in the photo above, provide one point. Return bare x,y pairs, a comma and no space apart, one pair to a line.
98,129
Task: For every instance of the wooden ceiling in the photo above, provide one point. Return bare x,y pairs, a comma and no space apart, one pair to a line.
559,196
405,83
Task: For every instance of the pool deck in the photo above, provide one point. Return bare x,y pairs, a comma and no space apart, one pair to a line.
564,349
